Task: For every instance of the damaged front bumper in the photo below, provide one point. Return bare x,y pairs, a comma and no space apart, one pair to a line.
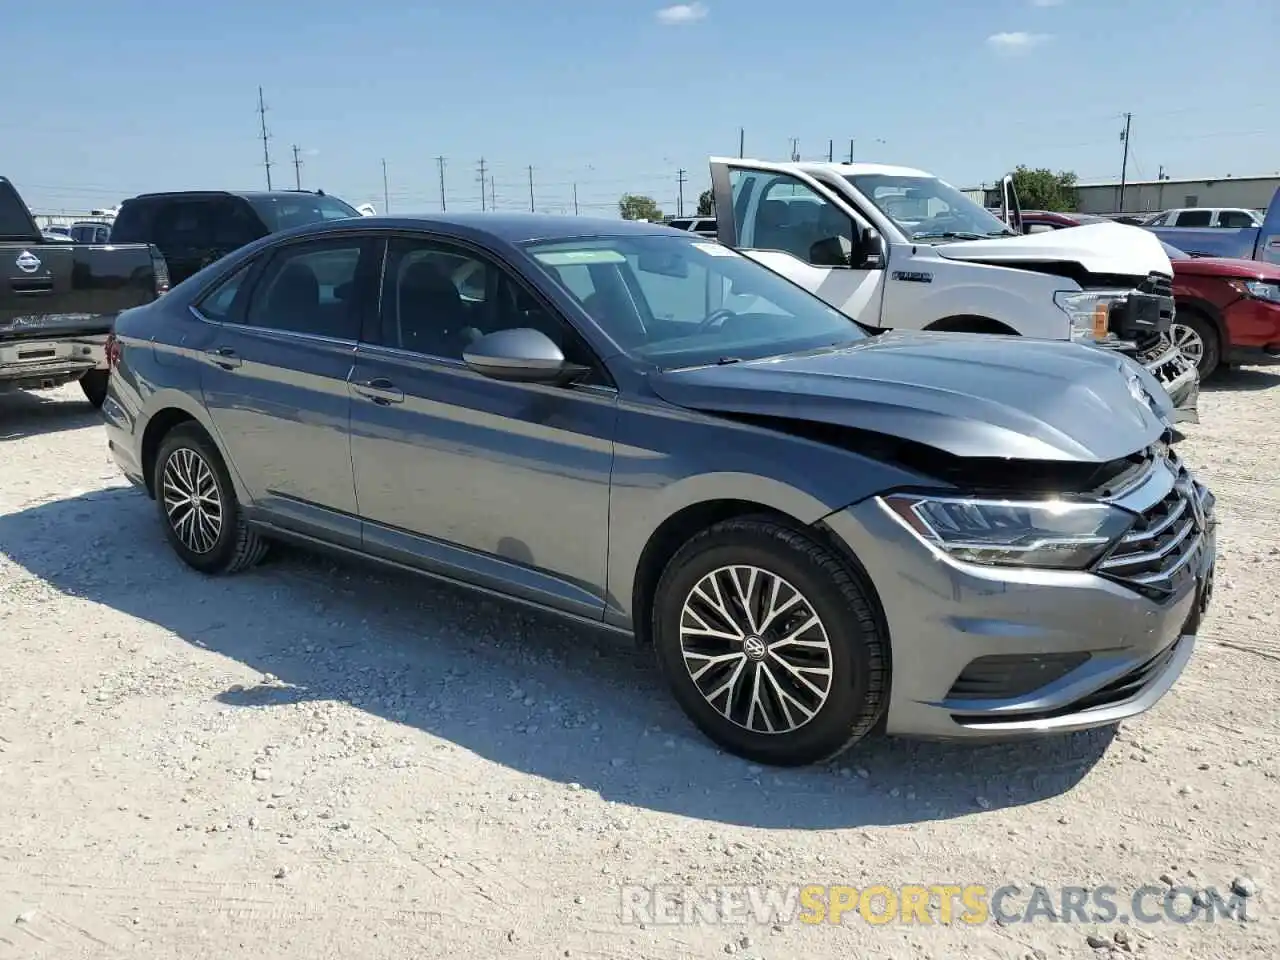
1176,372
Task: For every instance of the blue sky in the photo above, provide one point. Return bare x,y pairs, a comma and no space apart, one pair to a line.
104,100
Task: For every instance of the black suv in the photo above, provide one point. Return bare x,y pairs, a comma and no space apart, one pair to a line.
192,229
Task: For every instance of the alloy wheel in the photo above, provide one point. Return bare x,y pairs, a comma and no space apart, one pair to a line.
192,501
756,649
1186,339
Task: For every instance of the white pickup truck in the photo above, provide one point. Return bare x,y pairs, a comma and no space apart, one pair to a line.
895,247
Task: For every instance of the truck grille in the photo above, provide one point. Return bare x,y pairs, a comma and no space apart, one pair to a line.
1156,555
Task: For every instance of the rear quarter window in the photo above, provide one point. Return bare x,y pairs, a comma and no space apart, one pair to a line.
133,222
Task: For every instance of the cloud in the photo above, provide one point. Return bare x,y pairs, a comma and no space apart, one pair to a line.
1019,41
682,13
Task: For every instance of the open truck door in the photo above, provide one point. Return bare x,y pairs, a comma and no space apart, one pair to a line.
1011,211
804,229
1268,247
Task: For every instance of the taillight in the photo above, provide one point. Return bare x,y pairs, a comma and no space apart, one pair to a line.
161,270
112,350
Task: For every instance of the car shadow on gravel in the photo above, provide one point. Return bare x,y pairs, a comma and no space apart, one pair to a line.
529,692
26,414
1239,379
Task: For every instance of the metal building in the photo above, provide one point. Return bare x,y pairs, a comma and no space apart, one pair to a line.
1149,196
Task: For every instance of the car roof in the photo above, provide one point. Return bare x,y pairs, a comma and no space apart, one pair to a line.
244,194
516,227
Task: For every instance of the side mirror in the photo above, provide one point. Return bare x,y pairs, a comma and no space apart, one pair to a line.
522,355
868,250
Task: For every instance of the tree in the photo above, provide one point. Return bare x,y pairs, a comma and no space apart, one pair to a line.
634,206
706,204
1042,189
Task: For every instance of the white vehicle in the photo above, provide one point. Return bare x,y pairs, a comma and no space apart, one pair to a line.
1227,218
895,247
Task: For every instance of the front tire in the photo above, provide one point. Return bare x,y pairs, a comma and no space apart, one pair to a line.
1197,338
770,643
94,386
202,517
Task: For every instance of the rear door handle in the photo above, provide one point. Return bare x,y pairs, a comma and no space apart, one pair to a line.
224,357
380,390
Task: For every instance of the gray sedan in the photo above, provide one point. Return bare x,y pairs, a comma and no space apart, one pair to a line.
820,532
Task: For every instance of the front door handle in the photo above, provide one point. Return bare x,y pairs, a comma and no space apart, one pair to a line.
224,357
380,390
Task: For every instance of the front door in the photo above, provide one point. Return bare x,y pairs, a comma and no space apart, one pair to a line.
798,227
498,484
275,369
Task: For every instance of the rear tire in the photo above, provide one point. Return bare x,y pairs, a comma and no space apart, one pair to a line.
1197,337
792,687
197,501
94,385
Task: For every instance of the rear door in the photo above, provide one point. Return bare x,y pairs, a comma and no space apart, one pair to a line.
798,227
276,365
1268,245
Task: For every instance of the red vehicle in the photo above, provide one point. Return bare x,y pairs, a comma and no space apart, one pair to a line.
1227,310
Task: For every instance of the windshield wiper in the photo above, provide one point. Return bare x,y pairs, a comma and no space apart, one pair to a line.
725,361
951,235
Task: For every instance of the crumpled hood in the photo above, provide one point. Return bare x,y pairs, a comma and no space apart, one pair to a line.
1116,248
970,395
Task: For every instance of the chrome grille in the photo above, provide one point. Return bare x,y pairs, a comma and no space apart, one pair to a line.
1158,552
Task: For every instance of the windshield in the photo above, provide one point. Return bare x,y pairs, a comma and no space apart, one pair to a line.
283,212
679,302
925,208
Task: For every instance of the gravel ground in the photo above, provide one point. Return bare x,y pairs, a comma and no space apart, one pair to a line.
318,759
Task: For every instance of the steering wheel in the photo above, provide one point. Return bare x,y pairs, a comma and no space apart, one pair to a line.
714,319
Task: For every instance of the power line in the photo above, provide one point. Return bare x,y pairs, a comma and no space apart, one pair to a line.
297,168
266,153
440,163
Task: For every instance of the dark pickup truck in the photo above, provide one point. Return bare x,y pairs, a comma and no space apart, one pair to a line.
58,301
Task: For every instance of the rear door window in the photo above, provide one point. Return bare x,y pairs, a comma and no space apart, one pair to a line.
133,222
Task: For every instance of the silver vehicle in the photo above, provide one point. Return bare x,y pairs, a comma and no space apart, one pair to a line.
818,530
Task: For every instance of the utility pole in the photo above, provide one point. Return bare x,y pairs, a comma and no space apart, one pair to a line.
386,192
531,208
482,184
795,149
297,168
831,151
1124,164
493,196
742,142
851,149
680,182
440,164
575,199
266,154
